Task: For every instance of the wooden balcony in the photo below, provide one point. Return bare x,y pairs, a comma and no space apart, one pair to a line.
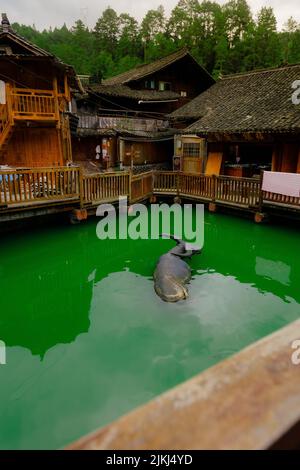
24,104
33,105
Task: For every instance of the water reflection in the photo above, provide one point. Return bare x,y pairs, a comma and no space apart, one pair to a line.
273,270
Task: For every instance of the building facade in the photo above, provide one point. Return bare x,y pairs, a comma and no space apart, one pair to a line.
35,92
244,123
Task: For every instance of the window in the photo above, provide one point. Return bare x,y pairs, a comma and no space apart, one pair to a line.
194,149
150,84
164,86
183,94
191,149
5,50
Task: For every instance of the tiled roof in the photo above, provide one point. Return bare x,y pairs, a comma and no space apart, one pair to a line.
258,101
147,69
126,92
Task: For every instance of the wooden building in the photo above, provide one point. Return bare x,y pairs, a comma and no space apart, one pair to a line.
124,117
35,92
241,125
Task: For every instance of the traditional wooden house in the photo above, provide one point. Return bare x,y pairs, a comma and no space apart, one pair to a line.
34,103
122,120
242,124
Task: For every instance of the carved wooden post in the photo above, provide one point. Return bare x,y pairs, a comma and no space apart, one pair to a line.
81,188
130,183
259,215
212,207
260,202
177,199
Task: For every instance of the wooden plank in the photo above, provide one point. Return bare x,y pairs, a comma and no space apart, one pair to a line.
214,163
249,401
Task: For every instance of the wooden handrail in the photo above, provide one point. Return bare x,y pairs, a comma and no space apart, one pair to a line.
39,185
141,186
33,104
44,184
225,189
102,187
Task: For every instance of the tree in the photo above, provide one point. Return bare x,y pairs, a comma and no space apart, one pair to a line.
238,19
153,24
223,38
290,41
107,30
181,25
129,38
266,40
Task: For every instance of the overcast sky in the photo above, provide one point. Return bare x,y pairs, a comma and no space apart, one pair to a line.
45,13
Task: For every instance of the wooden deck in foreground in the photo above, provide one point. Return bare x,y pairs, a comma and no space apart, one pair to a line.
249,401
29,189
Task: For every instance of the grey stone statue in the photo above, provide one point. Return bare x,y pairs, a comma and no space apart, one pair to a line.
172,273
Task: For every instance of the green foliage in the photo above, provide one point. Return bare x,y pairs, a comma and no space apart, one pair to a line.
223,38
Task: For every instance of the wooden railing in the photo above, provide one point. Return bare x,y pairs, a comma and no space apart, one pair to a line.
33,104
279,199
101,187
141,186
21,188
200,186
226,189
165,182
237,191
39,185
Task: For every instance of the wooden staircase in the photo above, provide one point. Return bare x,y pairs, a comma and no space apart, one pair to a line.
6,127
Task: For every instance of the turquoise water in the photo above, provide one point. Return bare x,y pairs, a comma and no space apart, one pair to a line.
88,340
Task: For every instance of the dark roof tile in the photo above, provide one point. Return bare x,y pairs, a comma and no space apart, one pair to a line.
258,101
126,92
147,69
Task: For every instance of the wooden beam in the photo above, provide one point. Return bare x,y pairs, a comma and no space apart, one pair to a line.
249,401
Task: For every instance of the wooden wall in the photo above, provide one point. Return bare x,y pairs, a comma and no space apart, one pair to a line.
34,74
84,148
150,152
214,159
34,147
184,75
286,157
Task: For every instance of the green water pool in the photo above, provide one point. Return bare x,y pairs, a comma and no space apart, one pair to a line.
88,340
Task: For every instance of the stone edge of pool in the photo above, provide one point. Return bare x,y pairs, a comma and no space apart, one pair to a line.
249,401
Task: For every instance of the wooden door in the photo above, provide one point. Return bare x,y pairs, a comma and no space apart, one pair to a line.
192,164
193,153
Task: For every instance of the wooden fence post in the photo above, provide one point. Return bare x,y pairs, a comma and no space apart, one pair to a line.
129,189
259,216
260,201
212,207
178,185
214,188
81,188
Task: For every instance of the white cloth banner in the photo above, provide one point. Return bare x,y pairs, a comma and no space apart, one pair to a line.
287,184
2,92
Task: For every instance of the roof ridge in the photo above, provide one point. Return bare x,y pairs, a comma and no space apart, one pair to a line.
6,29
5,24
171,56
258,71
